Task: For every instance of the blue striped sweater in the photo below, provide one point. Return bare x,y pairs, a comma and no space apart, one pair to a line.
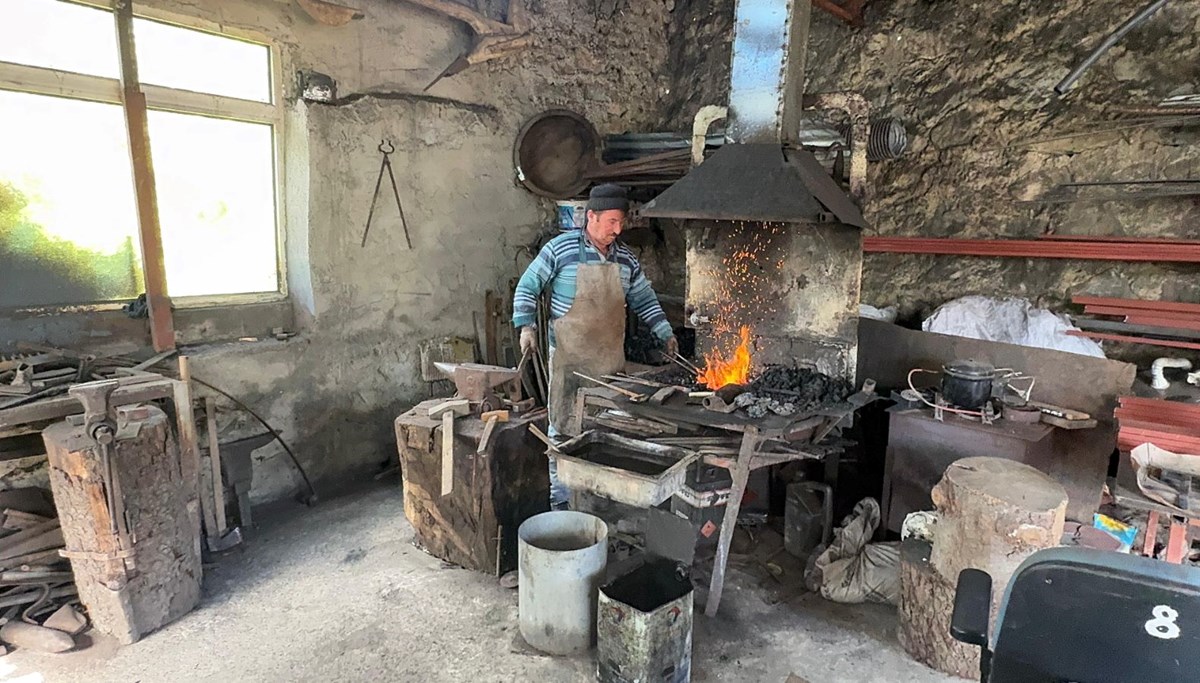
555,266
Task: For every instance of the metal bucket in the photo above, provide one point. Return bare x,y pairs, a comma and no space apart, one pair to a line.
572,214
645,626
563,555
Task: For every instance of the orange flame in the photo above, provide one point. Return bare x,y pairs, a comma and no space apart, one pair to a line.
719,372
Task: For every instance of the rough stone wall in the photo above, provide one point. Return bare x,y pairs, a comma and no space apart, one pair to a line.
334,390
974,83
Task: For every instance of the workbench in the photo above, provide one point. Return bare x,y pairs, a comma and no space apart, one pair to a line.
764,442
475,524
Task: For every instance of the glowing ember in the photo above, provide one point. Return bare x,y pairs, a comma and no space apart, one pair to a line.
736,370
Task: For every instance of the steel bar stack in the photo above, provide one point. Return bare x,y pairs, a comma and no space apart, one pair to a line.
1157,323
1169,425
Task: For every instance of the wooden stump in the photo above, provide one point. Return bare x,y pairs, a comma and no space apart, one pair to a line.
132,592
992,514
926,603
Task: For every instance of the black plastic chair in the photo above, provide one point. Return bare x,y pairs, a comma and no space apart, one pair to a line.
1085,616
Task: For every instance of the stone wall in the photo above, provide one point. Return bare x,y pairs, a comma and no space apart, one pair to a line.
974,82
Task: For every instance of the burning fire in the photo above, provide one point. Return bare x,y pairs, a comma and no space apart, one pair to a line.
719,372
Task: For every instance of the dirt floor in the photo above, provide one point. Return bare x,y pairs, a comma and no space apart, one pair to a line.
339,593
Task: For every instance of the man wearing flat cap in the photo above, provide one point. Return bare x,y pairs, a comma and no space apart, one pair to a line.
592,277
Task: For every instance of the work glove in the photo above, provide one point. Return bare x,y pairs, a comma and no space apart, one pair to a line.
671,346
528,340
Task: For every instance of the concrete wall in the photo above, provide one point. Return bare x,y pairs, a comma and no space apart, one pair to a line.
334,389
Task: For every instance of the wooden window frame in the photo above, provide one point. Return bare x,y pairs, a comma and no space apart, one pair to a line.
43,81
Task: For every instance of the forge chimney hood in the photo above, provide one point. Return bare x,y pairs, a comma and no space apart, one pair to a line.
760,176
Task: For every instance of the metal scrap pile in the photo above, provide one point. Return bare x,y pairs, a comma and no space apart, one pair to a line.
784,390
38,598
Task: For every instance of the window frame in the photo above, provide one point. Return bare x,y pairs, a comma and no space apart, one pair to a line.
37,80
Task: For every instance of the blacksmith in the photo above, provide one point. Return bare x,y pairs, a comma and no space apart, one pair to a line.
591,276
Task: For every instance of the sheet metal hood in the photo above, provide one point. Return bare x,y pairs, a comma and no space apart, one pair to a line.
757,178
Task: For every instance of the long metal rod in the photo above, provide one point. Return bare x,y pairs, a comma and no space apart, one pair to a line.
1131,23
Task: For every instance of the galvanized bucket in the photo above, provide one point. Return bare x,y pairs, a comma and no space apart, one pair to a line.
563,555
644,626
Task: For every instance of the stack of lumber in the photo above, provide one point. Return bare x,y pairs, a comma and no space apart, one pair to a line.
1169,425
1158,323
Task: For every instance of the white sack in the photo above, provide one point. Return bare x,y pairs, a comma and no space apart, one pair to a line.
1012,321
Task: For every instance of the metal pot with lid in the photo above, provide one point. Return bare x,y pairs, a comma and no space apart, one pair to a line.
967,383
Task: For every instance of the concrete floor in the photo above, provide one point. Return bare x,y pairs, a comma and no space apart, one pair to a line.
338,593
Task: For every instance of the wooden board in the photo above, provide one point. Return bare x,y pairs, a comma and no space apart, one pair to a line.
158,502
475,524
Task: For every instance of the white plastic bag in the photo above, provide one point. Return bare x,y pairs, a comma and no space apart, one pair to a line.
853,570
1012,321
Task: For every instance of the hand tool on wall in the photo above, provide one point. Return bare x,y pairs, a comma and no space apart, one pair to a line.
386,149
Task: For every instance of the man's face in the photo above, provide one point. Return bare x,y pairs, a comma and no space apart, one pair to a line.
604,227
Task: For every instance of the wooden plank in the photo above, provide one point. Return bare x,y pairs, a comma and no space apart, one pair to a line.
447,452
189,445
214,461
18,520
162,326
35,538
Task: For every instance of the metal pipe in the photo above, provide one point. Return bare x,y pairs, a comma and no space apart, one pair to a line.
1131,23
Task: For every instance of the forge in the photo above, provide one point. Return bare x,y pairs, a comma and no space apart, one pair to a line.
774,247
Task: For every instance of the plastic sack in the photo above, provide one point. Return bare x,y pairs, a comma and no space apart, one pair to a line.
1012,321
851,569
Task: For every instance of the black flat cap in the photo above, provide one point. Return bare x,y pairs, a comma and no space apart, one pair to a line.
608,197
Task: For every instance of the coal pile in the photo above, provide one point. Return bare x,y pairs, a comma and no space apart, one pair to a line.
785,390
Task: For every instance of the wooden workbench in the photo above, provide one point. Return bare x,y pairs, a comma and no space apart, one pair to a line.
475,525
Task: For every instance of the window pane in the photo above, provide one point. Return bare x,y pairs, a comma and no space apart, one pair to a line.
68,226
176,57
59,35
216,201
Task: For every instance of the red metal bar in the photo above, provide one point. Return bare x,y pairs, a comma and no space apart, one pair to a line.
1175,306
1124,310
1177,542
1134,340
1151,533
1159,404
1172,253
1177,429
1118,238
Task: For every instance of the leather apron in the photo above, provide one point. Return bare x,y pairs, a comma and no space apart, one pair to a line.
589,338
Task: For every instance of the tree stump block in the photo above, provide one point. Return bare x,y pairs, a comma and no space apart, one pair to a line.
926,603
992,514
132,591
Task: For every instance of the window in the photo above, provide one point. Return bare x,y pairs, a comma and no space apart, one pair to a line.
68,222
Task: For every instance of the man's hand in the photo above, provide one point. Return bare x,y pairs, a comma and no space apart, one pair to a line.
671,346
528,339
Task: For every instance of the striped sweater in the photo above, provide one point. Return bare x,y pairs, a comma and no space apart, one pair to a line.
555,266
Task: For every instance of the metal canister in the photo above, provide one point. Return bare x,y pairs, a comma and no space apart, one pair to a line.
967,383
